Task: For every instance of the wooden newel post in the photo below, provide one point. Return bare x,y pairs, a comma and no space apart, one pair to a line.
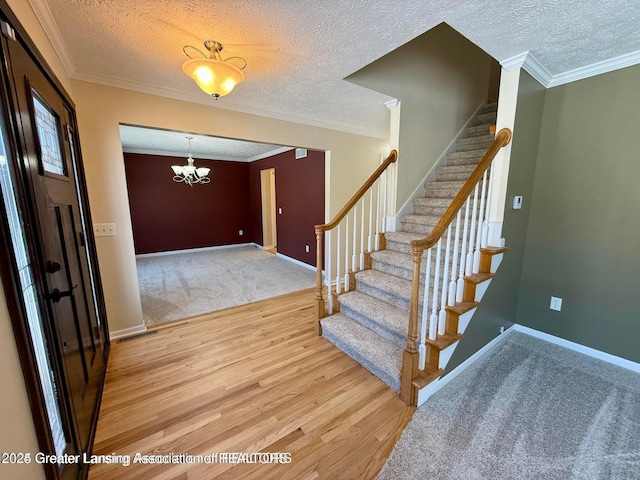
319,303
410,356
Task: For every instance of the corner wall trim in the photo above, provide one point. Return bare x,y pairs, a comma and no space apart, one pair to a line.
127,332
592,352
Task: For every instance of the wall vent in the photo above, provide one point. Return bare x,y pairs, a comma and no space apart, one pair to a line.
301,153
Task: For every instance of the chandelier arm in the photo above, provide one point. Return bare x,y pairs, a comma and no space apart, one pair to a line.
238,58
184,50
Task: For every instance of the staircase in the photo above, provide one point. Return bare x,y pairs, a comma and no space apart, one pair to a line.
373,318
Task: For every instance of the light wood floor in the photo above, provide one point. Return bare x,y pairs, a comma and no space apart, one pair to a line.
249,379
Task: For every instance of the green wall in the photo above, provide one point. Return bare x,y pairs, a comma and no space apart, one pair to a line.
441,78
583,241
499,304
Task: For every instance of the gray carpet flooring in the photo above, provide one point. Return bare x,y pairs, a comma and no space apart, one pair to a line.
528,409
185,285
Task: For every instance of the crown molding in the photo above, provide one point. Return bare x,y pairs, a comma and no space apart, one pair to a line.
269,154
517,61
537,70
45,17
531,65
605,66
197,97
392,104
170,153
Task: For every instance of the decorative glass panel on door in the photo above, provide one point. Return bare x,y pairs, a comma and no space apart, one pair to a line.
47,125
30,300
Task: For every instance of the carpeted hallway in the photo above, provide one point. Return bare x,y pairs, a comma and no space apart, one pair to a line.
527,410
186,285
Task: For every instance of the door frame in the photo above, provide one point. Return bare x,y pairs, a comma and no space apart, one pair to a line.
269,214
10,279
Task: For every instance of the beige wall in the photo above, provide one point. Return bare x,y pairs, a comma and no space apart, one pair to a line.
440,79
101,109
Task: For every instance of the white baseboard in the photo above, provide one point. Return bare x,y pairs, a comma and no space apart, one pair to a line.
433,387
127,332
297,262
196,250
592,352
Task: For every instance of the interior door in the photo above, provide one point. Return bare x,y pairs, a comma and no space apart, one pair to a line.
46,123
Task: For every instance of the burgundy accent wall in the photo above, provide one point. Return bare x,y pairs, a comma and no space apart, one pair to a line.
300,195
170,216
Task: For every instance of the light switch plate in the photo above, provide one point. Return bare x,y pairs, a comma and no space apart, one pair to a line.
104,229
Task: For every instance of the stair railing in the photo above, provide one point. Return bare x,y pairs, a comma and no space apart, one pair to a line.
352,251
443,282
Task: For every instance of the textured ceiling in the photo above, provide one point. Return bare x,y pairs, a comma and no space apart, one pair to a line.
298,51
166,142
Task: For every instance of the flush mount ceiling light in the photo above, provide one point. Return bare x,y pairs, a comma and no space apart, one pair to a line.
188,173
213,75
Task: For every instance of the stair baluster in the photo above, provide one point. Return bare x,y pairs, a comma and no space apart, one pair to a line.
413,377
358,260
481,219
338,262
442,314
472,231
463,252
454,267
422,349
362,224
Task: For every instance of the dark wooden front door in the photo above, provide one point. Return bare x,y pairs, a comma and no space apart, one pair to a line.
45,125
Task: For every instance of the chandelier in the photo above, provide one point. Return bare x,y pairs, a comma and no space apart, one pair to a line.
213,75
188,173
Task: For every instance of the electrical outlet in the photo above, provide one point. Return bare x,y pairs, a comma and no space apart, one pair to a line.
306,248
240,232
104,229
556,303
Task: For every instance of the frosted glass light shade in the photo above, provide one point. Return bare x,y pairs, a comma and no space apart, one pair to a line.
177,169
213,76
203,171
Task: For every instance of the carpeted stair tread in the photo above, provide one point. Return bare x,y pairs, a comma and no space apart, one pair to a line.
378,316
473,143
401,264
377,354
476,131
482,118
388,288
443,189
490,107
454,172
394,263
400,241
430,206
420,219
465,157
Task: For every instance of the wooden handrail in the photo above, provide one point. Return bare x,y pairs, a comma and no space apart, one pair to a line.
321,229
503,137
408,392
393,156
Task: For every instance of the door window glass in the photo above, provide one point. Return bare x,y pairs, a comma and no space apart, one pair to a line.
47,126
27,287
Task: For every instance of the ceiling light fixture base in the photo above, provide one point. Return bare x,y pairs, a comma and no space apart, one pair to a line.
212,74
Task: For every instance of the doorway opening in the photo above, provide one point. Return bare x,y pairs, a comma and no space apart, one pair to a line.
268,198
